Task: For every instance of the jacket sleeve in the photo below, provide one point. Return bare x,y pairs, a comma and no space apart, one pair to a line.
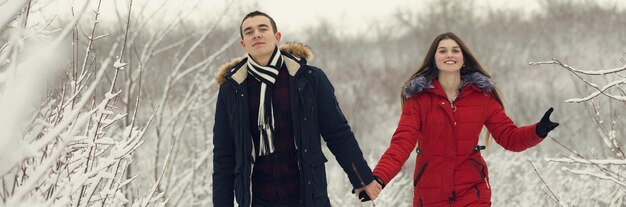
402,143
223,156
339,136
506,133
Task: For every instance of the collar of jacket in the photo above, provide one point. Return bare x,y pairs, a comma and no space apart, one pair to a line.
294,54
476,81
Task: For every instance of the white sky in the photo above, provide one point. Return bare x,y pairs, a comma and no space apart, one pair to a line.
293,15
355,15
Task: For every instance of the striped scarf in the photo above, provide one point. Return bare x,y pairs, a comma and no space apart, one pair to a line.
267,76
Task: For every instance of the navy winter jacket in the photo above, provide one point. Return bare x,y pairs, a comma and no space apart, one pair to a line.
315,113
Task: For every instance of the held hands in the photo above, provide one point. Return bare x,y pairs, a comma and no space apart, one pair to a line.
370,191
545,125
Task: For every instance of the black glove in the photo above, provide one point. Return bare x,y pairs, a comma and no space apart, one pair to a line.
363,195
545,125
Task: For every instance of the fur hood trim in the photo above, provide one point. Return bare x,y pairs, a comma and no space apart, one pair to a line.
297,51
420,83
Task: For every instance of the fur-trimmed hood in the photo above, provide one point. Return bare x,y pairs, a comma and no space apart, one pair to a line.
420,83
296,51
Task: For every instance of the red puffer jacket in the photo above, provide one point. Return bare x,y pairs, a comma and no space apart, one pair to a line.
449,168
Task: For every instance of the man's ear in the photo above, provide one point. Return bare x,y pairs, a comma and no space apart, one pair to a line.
277,36
242,43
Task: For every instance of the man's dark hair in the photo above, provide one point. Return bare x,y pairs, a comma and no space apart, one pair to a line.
254,14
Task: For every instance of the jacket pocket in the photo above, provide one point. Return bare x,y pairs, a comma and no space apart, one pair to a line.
317,176
480,168
477,191
419,175
317,159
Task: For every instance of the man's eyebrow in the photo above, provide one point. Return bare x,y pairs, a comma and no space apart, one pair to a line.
250,27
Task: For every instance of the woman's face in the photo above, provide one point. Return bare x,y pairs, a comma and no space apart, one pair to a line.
449,57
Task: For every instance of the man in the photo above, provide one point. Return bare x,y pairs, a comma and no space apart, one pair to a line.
271,110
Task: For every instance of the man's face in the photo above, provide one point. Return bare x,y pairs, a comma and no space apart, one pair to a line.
259,39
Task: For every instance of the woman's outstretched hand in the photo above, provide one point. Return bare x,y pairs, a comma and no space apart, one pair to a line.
545,125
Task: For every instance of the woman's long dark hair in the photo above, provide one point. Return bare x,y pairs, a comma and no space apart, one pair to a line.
429,70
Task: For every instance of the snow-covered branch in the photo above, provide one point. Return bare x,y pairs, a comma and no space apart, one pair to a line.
597,175
575,160
555,61
72,150
599,90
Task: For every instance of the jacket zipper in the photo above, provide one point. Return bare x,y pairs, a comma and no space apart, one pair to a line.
419,175
253,155
251,171
477,191
481,173
455,98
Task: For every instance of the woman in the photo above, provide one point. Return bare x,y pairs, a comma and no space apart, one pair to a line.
445,105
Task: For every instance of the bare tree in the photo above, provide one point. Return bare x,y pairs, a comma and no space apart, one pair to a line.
70,152
609,168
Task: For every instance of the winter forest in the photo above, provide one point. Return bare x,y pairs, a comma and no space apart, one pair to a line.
111,103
